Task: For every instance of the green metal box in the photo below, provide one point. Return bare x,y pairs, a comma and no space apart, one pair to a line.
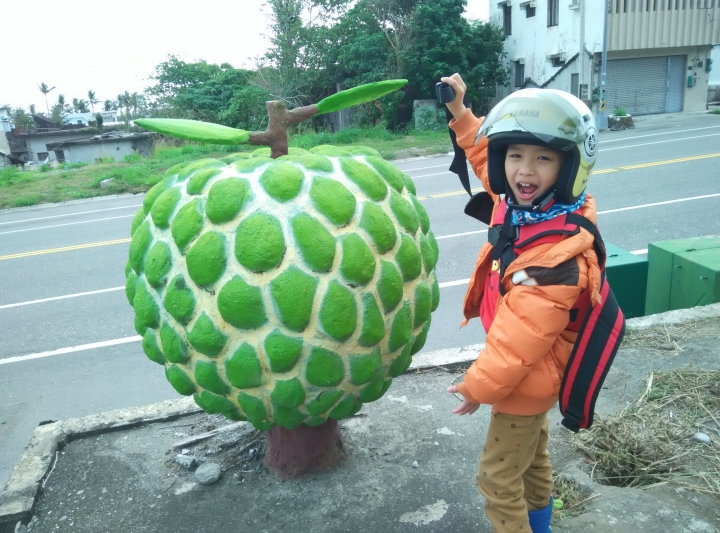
627,275
670,274
695,278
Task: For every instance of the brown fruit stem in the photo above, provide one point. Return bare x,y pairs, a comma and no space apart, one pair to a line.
275,136
295,452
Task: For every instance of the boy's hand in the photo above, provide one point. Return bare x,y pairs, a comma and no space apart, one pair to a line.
466,407
456,107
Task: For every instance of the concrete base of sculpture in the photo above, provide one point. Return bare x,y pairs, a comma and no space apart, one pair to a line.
306,449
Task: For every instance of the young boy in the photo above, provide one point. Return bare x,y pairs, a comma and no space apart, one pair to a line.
533,153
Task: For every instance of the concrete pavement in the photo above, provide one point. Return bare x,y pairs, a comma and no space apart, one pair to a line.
410,464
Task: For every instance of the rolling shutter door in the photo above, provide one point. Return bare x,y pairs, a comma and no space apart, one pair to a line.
638,85
676,84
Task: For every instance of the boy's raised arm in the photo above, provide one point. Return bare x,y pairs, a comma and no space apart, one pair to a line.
466,125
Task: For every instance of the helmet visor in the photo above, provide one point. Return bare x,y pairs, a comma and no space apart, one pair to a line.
543,113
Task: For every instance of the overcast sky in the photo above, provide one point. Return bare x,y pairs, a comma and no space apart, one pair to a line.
112,47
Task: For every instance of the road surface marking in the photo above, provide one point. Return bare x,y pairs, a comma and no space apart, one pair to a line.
42,301
654,204
458,235
601,171
136,338
70,214
660,142
68,224
72,349
63,249
656,134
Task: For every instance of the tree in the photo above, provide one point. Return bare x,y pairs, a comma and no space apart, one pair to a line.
32,109
92,100
45,90
109,105
79,106
295,67
22,120
99,122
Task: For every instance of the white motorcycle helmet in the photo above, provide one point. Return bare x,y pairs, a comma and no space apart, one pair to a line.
544,117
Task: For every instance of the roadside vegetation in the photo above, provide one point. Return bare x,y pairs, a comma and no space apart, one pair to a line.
135,174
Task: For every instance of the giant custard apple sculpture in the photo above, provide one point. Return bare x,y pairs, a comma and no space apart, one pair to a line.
286,289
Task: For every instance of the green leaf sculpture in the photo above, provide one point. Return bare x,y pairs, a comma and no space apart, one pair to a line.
194,130
358,95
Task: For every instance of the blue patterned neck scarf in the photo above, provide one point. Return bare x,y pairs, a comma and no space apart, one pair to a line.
529,217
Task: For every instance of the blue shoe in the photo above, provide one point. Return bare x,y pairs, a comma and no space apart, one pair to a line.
540,519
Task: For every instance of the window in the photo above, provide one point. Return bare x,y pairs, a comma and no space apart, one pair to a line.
519,73
529,11
553,12
42,156
575,85
507,18
557,61
60,155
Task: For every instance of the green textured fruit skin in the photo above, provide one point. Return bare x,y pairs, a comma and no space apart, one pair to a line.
283,291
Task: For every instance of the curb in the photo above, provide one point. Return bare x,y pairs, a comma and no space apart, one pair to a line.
17,501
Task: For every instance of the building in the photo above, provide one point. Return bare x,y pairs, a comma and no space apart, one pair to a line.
109,117
658,50
83,144
4,145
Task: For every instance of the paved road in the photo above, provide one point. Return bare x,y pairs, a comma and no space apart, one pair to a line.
658,182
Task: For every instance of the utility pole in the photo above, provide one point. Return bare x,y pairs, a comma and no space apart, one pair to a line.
601,119
581,56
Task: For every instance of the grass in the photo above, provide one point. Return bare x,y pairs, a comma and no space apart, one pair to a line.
715,112
135,174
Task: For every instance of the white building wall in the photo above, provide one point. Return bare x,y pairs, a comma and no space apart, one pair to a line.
38,143
90,152
534,42
715,72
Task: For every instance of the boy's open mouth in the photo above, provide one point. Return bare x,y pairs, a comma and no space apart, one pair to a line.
526,190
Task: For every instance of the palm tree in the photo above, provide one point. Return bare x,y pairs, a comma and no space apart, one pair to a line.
92,100
45,90
61,100
109,105
134,102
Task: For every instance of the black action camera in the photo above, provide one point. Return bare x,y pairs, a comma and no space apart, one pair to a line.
445,93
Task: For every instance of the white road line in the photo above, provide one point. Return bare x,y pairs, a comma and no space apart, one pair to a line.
70,214
666,202
451,236
660,142
72,349
42,301
125,340
453,283
656,134
68,224
423,168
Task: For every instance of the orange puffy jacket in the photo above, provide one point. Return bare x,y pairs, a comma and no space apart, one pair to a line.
527,346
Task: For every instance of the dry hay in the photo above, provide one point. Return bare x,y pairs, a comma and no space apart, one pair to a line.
241,451
573,495
670,337
651,441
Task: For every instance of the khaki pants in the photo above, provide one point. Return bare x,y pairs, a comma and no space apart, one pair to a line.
515,473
